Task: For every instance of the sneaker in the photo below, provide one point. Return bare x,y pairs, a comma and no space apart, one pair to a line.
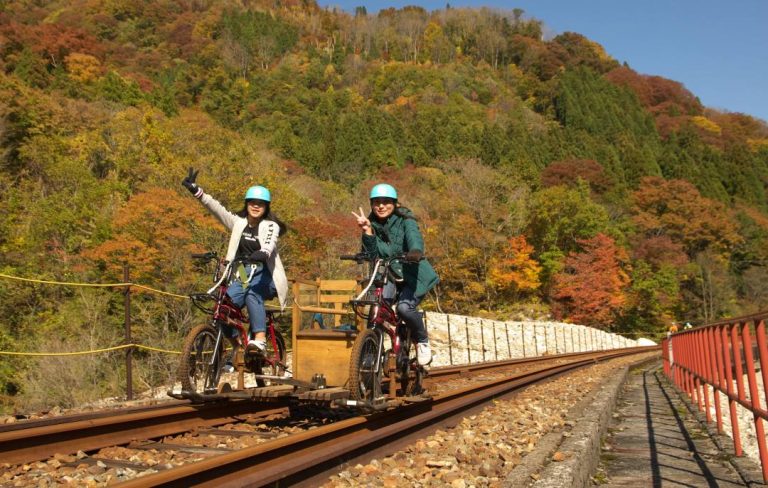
228,367
256,346
423,353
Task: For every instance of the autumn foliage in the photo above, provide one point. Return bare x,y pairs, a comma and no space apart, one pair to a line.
541,171
514,271
591,289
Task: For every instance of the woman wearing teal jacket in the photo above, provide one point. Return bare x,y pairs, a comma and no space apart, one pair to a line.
390,230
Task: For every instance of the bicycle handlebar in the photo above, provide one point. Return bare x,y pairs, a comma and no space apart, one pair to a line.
208,256
362,257
213,255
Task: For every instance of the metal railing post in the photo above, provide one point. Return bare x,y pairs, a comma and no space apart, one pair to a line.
754,396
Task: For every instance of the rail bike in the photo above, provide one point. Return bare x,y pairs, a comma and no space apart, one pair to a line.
368,363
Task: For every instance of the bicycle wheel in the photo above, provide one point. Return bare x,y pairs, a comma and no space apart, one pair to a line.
273,362
200,365
408,369
365,367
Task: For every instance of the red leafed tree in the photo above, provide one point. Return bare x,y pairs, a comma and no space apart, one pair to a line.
313,250
568,172
515,271
656,93
591,288
52,42
658,250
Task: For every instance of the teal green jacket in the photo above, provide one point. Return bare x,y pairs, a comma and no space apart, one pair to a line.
399,235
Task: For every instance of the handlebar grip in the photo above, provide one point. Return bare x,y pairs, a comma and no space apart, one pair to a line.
349,257
208,255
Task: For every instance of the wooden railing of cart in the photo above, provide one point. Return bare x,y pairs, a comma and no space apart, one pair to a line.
323,346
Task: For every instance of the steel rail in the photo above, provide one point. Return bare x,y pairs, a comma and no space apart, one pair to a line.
297,457
42,439
458,370
39,439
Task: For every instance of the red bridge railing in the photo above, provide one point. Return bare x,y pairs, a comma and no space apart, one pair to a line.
717,357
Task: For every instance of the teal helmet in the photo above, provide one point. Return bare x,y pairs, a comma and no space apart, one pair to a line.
383,190
258,193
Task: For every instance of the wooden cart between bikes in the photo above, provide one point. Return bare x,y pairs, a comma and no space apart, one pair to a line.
347,349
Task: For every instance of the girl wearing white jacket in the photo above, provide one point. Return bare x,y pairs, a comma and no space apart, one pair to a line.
254,235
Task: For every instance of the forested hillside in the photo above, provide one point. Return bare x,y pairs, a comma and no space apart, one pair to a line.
547,177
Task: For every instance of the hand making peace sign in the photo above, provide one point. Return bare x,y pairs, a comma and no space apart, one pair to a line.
363,222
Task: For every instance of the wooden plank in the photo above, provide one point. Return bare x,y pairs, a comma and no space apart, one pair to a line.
324,395
299,281
237,433
335,298
325,310
295,320
327,334
162,446
323,351
274,391
338,285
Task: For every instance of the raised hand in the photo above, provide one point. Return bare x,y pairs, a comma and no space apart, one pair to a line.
363,222
189,181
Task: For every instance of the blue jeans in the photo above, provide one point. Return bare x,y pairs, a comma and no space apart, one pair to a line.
260,288
408,309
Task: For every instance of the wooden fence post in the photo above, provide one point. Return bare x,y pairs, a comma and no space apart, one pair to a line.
128,339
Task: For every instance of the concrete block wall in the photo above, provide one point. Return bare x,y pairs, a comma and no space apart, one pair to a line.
473,340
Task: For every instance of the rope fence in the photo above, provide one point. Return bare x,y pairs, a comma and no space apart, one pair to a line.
92,351
93,285
531,340
129,345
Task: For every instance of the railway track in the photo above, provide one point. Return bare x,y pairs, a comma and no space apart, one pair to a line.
302,454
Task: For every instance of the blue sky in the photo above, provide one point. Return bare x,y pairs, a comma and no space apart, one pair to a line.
717,49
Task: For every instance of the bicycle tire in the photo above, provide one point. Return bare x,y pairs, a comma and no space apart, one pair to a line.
364,377
197,373
274,362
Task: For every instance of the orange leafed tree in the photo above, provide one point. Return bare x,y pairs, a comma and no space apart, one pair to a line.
676,209
591,288
515,271
155,234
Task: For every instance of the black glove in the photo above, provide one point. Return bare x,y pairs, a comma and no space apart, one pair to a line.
413,256
189,182
258,257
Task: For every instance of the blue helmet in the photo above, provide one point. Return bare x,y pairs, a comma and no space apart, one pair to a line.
383,190
258,193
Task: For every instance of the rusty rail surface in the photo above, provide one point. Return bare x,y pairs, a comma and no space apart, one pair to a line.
301,456
36,440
